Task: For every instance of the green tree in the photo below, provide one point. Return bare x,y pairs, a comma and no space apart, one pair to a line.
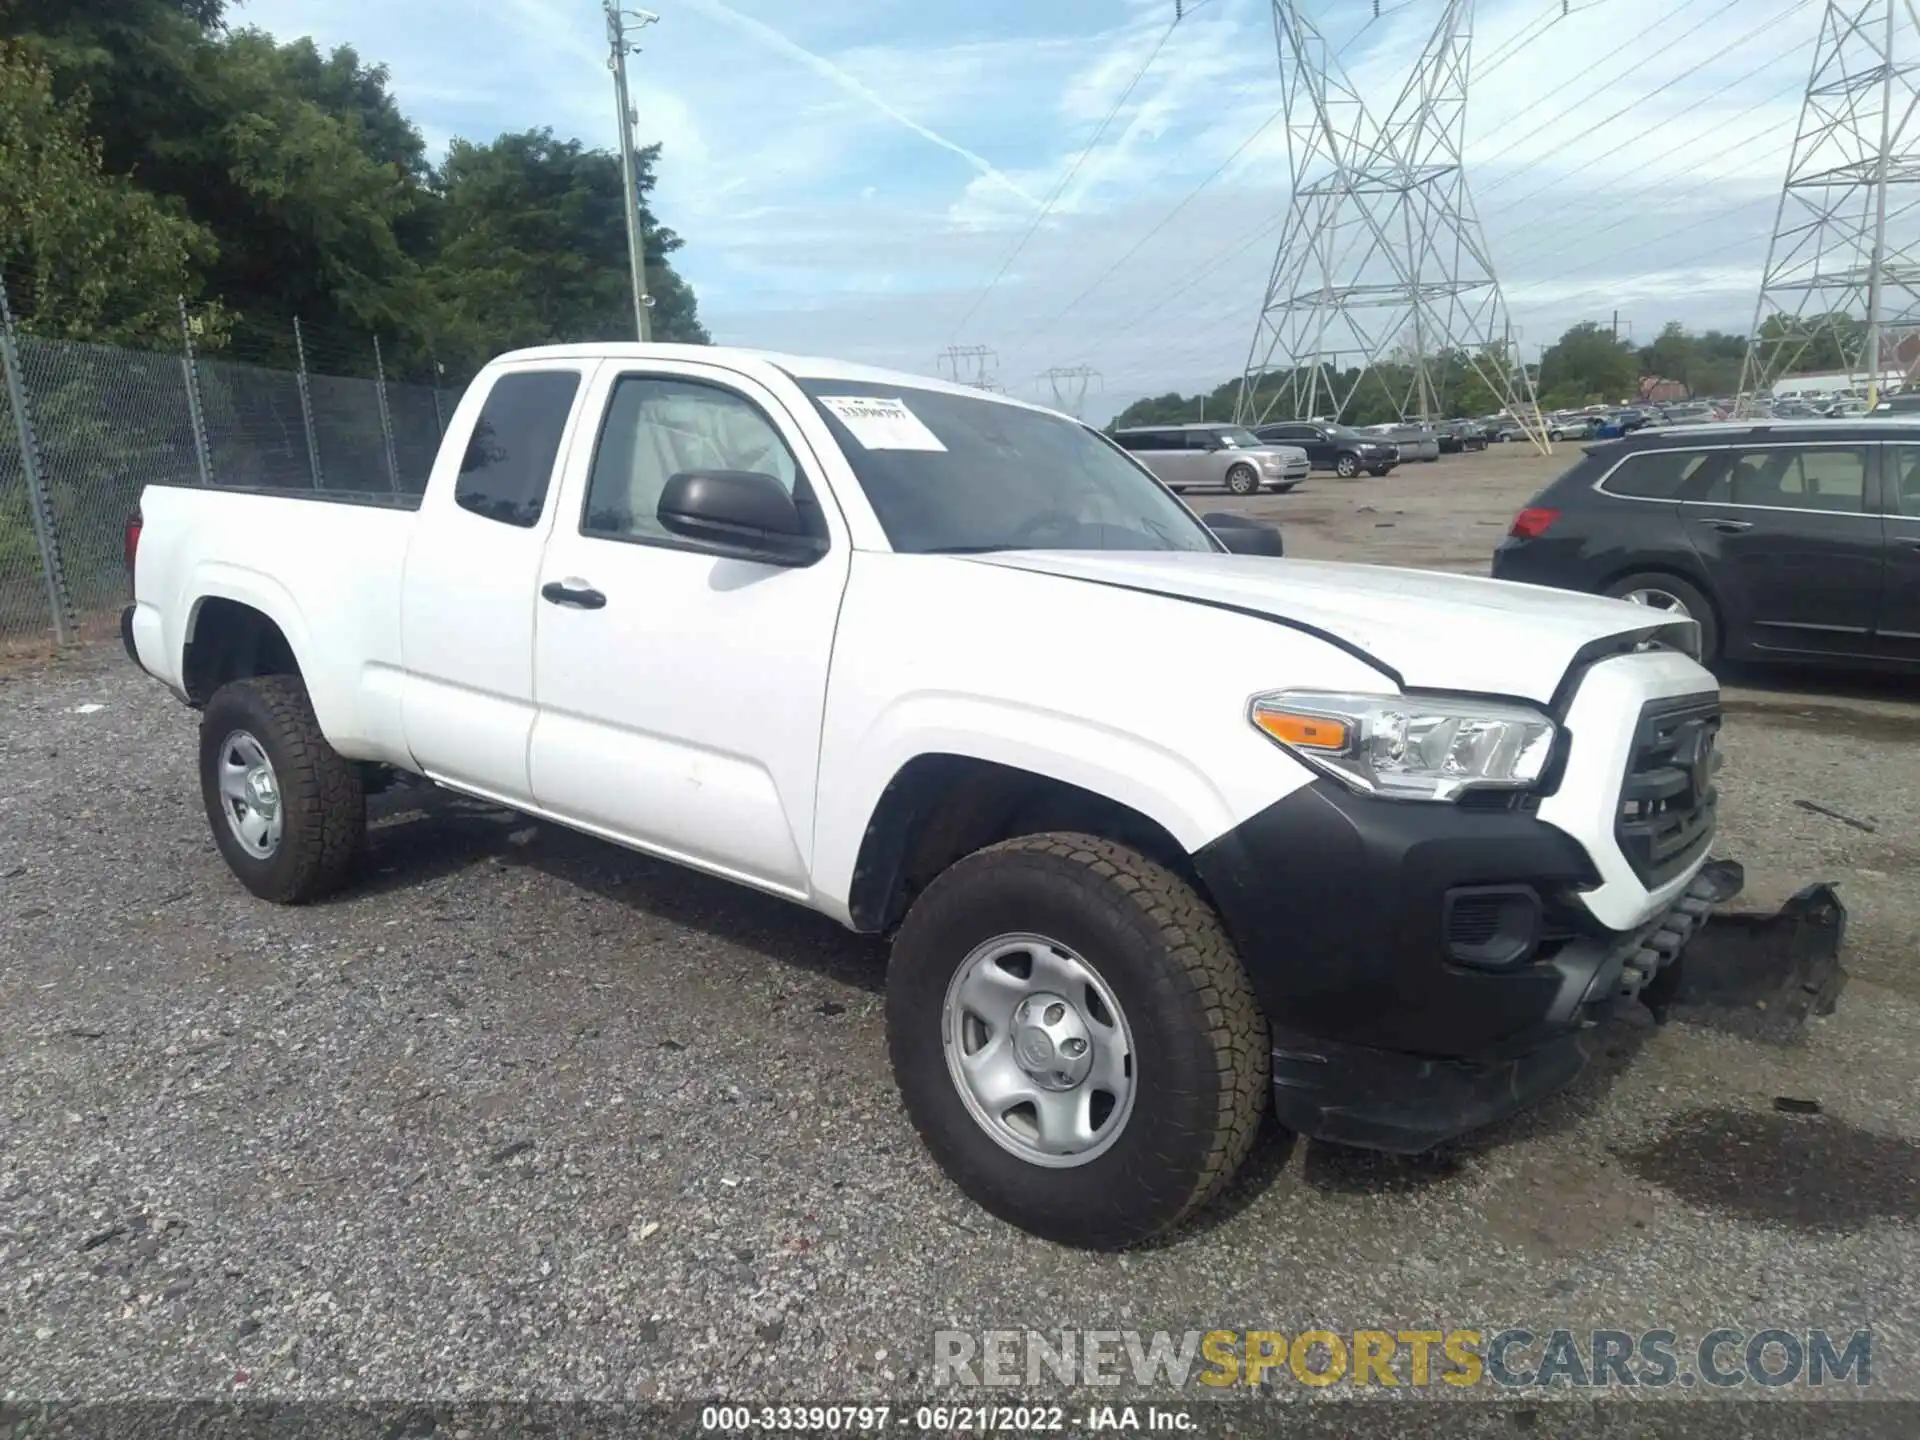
86,254
1586,365
321,202
533,247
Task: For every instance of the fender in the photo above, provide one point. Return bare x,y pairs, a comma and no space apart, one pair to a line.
1155,781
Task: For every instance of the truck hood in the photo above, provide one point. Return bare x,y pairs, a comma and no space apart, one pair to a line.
1432,631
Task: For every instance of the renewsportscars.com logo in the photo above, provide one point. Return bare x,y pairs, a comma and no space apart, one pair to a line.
1514,1358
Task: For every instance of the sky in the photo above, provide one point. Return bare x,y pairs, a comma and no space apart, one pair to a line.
1092,183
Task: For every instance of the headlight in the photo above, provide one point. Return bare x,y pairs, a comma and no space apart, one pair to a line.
1409,747
1269,462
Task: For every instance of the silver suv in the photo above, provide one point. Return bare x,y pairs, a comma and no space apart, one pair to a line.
1214,456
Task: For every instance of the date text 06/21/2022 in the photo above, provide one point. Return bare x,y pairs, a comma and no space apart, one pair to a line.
943,1419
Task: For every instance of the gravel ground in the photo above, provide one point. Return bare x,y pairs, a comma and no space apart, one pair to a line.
524,1114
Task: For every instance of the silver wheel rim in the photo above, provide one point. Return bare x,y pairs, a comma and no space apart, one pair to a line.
249,794
1348,467
1659,600
1039,1050
1241,480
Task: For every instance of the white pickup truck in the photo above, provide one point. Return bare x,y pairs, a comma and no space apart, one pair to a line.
1165,835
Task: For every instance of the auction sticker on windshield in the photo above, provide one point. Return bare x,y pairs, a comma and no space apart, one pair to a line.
882,423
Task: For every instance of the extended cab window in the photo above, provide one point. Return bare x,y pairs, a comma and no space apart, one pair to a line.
509,461
1660,474
1788,477
656,428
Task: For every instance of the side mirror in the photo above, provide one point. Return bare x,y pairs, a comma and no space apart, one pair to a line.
1244,536
742,514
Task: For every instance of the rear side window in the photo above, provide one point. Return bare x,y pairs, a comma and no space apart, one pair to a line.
1905,480
509,461
1790,478
1658,474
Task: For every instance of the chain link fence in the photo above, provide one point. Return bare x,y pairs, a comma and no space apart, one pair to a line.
105,422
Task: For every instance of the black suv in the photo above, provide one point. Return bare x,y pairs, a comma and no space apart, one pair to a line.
1338,448
1785,540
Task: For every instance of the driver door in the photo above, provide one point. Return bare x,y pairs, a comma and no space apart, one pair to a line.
680,693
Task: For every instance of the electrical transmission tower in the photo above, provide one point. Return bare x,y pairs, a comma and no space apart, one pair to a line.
968,365
1070,384
1381,260
1841,269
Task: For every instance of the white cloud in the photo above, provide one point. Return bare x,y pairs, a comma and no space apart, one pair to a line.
849,174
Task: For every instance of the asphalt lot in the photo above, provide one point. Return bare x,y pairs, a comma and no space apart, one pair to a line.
526,1114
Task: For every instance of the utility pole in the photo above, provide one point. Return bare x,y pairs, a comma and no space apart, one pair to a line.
618,21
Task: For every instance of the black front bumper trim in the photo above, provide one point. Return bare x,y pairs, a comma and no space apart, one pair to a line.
1380,1099
1405,1104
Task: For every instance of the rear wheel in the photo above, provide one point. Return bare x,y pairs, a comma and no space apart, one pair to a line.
1347,466
1075,1039
288,813
1676,597
1241,480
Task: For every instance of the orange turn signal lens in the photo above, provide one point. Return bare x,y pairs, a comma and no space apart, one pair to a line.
1309,732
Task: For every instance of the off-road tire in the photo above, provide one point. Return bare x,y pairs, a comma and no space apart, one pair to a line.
323,801
1242,480
1200,1042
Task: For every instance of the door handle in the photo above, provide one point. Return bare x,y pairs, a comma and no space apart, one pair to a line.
577,594
1729,527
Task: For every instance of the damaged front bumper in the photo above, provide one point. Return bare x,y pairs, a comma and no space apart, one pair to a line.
1778,966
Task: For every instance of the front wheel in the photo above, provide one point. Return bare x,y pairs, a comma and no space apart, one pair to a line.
1075,1039
1378,470
1242,481
288,813
1676,597
1347,466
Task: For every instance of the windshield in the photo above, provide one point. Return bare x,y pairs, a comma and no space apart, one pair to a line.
1239,438
1346,430
953,474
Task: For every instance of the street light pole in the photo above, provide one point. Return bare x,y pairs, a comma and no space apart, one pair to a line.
621,47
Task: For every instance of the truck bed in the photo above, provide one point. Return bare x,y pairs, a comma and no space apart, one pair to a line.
329,573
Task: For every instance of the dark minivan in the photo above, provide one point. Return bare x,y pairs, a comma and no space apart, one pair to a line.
1786,540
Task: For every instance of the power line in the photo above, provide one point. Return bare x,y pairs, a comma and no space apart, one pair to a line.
1633,140
1217,172
1159,225
1060,189
1534,127
1663,182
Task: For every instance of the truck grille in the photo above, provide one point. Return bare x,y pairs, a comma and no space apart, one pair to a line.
1668,797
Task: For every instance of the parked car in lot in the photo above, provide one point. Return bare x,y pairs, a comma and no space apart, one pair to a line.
1415,440
1330,446
1783,540
1166,835
1568,427
1214,457
1458,436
